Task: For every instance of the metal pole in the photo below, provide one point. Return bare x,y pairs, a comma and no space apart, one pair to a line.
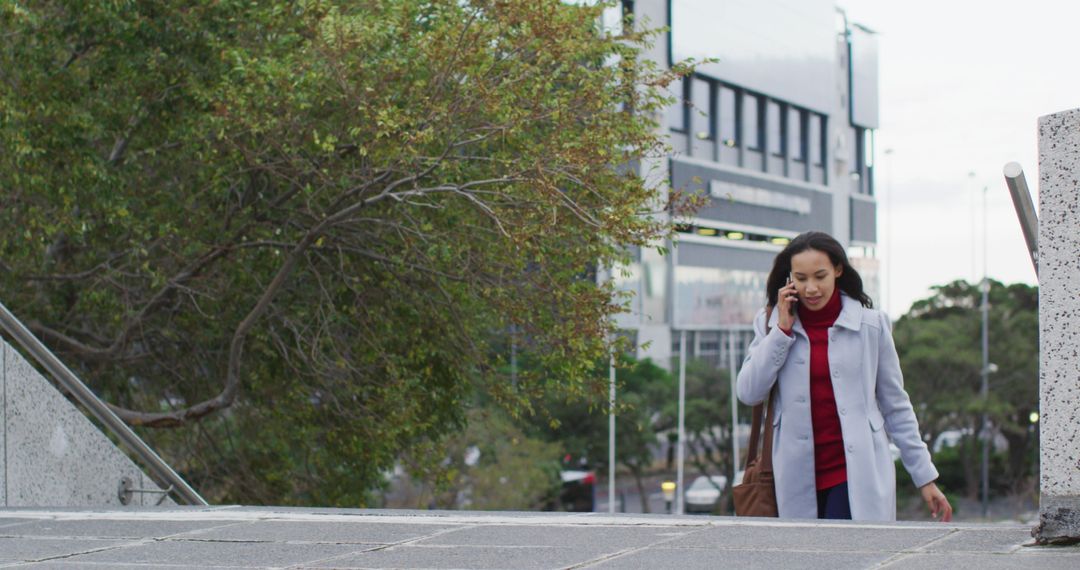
96,407
985,391
888,236
734,405
682,423
1025,209
611,435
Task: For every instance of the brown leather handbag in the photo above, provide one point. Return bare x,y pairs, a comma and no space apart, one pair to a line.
755,496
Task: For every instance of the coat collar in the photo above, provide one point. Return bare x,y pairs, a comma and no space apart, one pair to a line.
851,313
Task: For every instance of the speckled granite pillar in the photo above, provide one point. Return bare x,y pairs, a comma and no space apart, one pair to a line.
1059,327
53,456
3,430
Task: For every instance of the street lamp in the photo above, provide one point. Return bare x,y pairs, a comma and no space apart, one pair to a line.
1034,441
668,487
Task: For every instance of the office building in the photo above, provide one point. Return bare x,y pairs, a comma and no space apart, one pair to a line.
778,130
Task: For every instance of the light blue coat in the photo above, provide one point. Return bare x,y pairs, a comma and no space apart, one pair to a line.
869,391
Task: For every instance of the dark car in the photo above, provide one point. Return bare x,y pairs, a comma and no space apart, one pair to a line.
577,491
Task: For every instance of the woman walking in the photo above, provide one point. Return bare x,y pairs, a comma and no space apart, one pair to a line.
827,360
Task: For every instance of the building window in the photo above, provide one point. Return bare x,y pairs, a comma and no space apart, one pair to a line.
816,137
776,128
702,110
868,161
677,111
727,110
855,135
753,121
797,133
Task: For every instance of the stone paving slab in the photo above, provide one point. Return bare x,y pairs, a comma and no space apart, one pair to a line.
218,538
215,554
981,541
69,565
973,561
106,528
25,549
476,557
831,538
319,532
604,536
710,560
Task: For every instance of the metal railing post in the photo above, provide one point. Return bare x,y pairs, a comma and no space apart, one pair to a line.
1025,209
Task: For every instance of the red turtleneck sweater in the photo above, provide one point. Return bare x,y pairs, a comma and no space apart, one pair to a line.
828,439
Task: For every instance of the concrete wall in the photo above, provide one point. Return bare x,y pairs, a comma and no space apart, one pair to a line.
52,455
1059,326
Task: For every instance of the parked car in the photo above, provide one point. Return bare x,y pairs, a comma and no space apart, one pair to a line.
577,491
701,496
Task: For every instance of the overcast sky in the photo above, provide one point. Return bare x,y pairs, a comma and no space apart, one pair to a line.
962,85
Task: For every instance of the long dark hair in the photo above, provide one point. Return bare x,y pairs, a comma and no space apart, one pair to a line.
849,281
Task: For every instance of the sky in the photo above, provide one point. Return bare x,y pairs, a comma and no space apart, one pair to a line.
961,87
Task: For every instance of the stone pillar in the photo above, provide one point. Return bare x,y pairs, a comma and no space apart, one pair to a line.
1059,327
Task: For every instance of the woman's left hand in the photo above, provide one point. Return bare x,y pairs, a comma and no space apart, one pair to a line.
937,502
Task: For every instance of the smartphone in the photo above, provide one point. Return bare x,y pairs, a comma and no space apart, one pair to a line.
791,306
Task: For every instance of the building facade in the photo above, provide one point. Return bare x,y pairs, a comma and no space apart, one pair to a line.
776,128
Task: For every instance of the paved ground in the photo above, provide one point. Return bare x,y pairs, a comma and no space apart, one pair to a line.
244,537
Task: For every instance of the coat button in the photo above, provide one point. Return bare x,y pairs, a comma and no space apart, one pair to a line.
836,373
850,448
804,437
843,411
800,361
800,399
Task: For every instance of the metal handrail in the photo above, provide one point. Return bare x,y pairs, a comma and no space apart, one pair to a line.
1025,209
14,327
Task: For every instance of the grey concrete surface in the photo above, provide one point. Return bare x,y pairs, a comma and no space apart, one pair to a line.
1059,326
52,455
215,538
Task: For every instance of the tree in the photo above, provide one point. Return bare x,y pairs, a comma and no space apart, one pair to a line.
581,426
313,222
707,423
939,343
492,465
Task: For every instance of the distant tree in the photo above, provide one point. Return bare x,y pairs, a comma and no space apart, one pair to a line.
940,348
314,221
708,424
581,426
492,465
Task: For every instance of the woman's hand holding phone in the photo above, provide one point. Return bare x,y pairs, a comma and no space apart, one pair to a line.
786,301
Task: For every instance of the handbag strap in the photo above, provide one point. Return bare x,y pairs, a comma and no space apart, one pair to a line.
756,436
755,421
766,452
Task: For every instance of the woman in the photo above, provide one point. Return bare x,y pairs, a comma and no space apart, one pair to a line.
831,358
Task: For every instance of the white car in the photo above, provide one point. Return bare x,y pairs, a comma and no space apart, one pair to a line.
702,494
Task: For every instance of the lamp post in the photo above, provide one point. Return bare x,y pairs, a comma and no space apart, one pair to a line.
611,435
984,391
1034,442
681,450
668,487
888,234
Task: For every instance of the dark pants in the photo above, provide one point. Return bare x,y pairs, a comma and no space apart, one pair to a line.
832,503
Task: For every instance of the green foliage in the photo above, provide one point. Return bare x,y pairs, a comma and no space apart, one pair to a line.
708,423
312,222
510,471
643,389
940,349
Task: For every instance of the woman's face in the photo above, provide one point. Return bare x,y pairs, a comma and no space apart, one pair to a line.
814,276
